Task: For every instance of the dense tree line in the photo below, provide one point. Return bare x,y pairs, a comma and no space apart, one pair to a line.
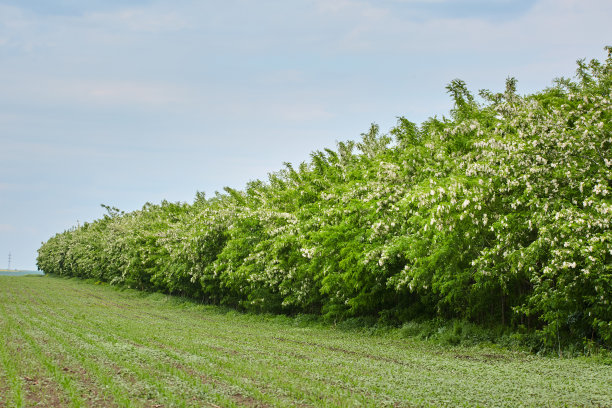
500,212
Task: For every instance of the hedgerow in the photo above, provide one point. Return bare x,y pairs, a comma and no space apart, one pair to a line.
499,213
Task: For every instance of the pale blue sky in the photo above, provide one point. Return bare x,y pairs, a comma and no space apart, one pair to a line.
124,102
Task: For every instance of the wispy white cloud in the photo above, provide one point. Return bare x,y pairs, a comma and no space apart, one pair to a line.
335,6
364,9
550,25
20,30
129,92
53,90
7,228
12,17
152,20
25,30
283,76
299,112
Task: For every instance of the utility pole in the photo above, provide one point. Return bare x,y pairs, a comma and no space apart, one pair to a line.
9,265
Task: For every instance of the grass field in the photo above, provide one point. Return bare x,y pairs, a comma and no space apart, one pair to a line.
72,343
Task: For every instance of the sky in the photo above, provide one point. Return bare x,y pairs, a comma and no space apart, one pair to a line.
133,101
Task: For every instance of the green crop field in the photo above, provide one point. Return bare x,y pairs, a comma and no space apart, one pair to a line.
72,343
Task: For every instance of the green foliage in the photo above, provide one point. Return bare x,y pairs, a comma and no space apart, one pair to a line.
500,214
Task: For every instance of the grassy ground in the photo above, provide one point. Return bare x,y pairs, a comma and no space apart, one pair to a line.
71,343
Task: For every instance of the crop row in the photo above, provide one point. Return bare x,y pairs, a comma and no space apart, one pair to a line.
85,345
